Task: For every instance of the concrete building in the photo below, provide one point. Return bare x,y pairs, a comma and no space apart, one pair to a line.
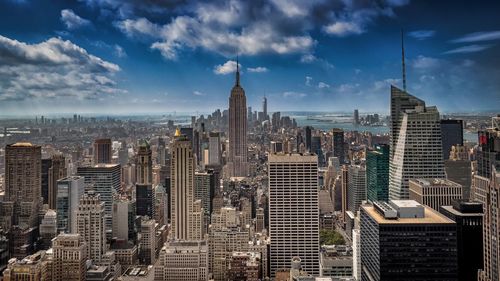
338,145
403,240
183,261
138,273
56,172
36,267
214,149
293,211
124,219
48,229
435,192
147,253
237,165
245,266
69,251
356,191
90,225
103,151
452,133
336,261
69,191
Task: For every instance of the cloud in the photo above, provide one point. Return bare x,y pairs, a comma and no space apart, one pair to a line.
119,51
115,49
257,69
241,27
422,34
468,49
73,21
53,69
343,28
423,62
294,95
323,85
308,58
478,37
226,68
308,80
198,93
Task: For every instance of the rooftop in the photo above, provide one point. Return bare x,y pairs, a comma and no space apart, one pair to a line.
430,215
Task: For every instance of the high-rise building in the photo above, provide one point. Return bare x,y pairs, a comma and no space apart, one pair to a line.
90,225
491,227
144,163
488,154
293,211
48,229
147,254
245,266
452,133
458,169
214,149
69,257
69,191
404,240
377,173
56,172
124,219
308,133
469,219
30,268
183,261
237,161
435,192
144,200
338,145
400,102
182,187
316,149
104,179
203,190
46,165
103,151
418,152
356,191
356,117
264,108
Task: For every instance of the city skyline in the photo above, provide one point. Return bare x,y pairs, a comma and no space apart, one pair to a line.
128,57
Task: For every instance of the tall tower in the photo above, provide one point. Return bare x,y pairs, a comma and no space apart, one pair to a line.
294,211
90,225
237,166
182,186
264,107
102,151
144,163
56,172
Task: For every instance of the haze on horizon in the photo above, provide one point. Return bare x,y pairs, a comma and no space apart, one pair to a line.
131,57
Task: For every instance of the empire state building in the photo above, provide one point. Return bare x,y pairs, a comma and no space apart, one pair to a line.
237,165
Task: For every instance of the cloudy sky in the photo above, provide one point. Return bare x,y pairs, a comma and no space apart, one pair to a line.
154,56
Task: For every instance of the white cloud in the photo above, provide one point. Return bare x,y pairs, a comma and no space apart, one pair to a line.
478,37
422,34
468,49
119,51
423,62
343,28
226,68
257,69
295,95
72,20
307,58
308,80
323,85
53,69
198,93
139,28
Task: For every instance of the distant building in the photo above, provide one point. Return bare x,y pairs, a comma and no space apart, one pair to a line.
138,273
356,191
91,226
30,268
338,145
356,117
421,252
452,133
435,192
245,266
488,154
183,261
377,173
48,229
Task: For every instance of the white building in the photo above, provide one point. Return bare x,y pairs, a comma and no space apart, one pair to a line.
90,225
183,261
69,191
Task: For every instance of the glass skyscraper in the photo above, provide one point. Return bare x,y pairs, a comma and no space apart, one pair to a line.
377,173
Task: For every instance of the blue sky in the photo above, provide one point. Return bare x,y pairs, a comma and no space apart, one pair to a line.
154,56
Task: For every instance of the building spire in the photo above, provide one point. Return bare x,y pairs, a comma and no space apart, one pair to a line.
237,71
403,60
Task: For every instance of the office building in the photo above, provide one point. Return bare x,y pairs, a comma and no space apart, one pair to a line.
69,191
139,273
264,108
435,192
237,165
356,191
103,151
418,152
144,196
147,253
458,168
488,154
356,117
104,179
91,226
491,227
30,268
452,134
336,261
69,257
308,133
293,211
338,145
404,240
245,266
144,163
48,229
377,173
57,171
183,261
214,149
125,226
469,219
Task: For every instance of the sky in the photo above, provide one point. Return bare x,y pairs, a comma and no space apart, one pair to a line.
163,56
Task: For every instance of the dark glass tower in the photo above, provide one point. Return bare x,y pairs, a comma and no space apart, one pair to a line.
452,133
377,173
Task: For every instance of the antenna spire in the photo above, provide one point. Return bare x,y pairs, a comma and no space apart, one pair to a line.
403,59
237,71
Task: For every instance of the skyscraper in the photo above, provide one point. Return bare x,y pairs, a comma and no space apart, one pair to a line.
356,117
183,261
214,150
489,149
404,240
144,163
308,132
293,211
338,144
104,179
452,133
69,191
418,151
264,107
356,191
90,225
435,192
182,187
377,173
237,160
56,172
102,151
69,257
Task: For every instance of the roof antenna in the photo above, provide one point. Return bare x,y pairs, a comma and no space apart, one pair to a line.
403,59
237,71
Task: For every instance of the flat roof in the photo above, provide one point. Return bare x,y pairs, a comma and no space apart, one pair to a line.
458,213
430,217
